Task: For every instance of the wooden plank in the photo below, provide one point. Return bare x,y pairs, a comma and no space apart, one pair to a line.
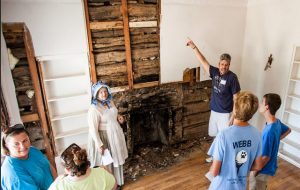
107,33
146,84
18,52
105,13
197,130
108,42
145,64
13,39
142,12
145,54
143,24
92,68
108,25
114,80
13,27
195,107
24,100
111,69
127,43
110,57
196,95
143,31
195,119
20,71
145,38
119,41
109,49
38,95
30,118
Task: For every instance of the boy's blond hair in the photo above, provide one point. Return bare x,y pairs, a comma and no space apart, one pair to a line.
245,106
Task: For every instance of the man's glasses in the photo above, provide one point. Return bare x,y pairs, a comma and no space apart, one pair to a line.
69,151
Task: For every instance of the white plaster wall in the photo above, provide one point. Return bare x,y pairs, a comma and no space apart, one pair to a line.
216,26
56,27
272,27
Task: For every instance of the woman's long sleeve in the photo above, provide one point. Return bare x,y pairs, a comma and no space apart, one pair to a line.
94,122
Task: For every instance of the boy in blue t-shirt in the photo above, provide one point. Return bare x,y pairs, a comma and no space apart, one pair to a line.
237,149
272,133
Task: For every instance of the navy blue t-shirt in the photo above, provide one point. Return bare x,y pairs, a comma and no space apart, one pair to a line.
224,87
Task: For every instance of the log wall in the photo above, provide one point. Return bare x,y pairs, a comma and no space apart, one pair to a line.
20,72
105,23
14,35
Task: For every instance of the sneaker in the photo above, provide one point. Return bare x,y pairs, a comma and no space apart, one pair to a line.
209,160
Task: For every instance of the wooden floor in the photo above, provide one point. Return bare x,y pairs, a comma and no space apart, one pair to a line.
189,175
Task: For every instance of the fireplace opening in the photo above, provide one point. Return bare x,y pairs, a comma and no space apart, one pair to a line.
151,126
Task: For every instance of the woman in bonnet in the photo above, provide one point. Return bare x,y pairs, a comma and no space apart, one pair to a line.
105,131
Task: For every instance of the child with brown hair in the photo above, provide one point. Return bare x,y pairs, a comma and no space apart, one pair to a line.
237,149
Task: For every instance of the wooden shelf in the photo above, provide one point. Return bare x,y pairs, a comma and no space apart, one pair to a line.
65,77
295,96
62,98
30,118
295,112
70,115
72,133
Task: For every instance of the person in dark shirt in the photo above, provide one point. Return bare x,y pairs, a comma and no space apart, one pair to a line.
225,87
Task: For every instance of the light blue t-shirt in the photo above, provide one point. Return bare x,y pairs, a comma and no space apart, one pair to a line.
30,174
270,144
237,148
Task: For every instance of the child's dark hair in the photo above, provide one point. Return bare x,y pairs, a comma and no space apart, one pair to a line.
273,101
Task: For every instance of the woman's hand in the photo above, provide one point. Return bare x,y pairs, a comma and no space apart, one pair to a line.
121,119
102,148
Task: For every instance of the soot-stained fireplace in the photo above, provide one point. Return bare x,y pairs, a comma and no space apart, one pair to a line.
148,126
167,114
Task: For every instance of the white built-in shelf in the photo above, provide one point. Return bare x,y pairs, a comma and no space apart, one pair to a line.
291,143
289,157
65,77
295,112
60,150
70,115
297,62
72,133
295,79
295,96
293,128
61,98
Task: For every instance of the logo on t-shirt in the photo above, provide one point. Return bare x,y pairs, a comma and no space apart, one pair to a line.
240,158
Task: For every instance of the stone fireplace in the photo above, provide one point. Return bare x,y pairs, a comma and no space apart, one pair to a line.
166,114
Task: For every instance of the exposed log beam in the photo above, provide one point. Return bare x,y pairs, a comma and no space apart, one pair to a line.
143,24
91,55
30,118
106,25
127,43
